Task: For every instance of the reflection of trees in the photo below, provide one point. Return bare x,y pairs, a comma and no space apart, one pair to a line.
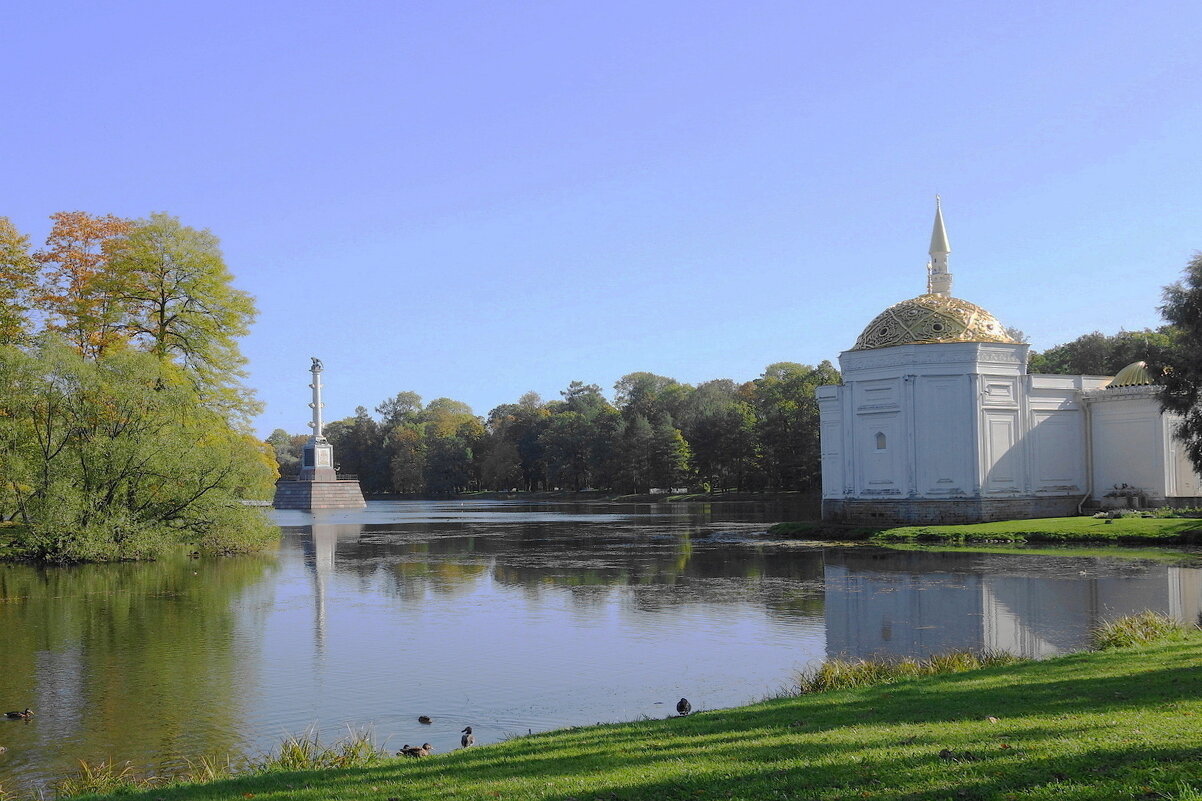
443,560
125,660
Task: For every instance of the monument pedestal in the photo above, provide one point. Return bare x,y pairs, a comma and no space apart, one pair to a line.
318,495
317,485
317,461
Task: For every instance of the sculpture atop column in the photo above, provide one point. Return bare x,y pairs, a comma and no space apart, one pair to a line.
317,485
317,462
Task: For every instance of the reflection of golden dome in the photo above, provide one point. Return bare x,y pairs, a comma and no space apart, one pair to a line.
932,319
1133,375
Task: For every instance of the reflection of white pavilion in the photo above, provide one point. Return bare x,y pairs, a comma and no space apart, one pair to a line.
916,613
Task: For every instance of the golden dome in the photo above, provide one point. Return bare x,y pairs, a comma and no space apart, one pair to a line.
929,320
1133,375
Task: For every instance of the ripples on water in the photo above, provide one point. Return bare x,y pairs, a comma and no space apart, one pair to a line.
505,616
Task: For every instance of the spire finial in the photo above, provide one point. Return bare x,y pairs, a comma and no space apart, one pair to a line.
939,280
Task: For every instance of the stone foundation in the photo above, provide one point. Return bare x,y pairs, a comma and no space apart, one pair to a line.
318,495
917,512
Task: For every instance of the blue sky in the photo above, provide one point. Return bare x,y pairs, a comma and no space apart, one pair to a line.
474,200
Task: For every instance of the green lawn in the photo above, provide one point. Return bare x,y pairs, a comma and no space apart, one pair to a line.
1124,723
1057,529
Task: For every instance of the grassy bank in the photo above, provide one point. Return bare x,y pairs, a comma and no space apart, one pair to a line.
1161,531
1120,723
1129,530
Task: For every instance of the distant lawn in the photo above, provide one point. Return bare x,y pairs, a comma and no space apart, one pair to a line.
1124,723
1056,529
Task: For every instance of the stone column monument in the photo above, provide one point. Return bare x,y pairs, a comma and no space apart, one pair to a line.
317,485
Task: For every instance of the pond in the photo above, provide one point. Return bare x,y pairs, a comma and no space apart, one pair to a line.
509,617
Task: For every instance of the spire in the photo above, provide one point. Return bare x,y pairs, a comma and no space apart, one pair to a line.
939,280
939,233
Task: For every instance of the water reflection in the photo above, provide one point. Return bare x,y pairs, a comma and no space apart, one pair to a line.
118,659
503,616
915,603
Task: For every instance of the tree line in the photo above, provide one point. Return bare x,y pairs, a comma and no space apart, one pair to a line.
660,433
656,432
123,419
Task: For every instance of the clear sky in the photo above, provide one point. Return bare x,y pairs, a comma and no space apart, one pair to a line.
476,199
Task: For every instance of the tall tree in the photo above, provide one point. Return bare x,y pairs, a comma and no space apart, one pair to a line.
406,450
74,292
521,426
1182,380
649,395
18,278
787,421
404,408
178,302
359,449
720,428
669,456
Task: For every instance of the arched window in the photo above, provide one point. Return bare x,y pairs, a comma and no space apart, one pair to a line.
880,441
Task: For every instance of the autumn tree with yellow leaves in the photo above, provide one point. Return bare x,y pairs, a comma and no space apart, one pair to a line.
122,412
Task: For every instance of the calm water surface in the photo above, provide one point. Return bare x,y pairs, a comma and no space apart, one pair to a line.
505,616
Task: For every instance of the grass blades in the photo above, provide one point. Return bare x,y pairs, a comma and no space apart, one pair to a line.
1142,629
842,674
297,753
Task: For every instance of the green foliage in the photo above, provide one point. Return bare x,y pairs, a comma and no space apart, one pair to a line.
18,278
787,422
1182,393
843,674
660,434
118,458
1100,354
1145,628
288,450
178,302
719,426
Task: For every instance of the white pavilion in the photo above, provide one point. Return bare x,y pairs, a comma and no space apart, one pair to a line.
938,421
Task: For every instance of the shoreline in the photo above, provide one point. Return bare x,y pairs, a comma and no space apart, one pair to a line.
1122,722
1067,530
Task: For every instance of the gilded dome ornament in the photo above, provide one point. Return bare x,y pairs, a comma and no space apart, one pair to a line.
1135,374
932,319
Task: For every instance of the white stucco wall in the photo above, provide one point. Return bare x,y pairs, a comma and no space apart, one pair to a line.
964,420
1128,441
